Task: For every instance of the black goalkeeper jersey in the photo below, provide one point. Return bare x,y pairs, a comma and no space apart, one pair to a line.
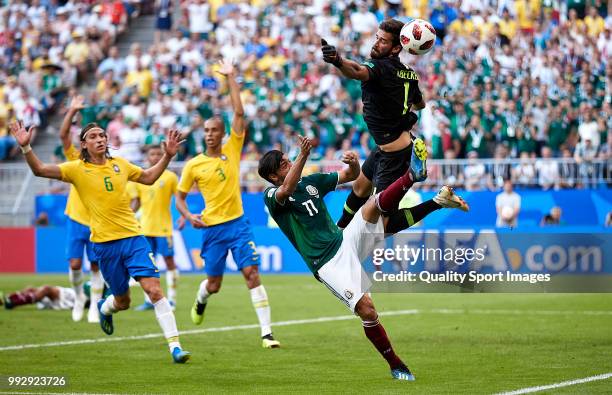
387,98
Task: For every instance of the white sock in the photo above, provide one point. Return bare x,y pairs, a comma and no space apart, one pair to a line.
171,280
165,317
259,297
76,279
203,292
108,307
95,292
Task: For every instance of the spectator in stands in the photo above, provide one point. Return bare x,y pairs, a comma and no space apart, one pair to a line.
113,63
198,13
131,141
474,173
77,52
8,146
605,154
548,170
584,154
500,171
42,219
524,173
568,170
507,206
588,128
163,20
529,78
552,218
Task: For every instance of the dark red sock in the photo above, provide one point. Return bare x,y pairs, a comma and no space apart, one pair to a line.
389,199
377,335
21,298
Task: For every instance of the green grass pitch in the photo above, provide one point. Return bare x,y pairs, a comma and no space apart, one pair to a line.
454,343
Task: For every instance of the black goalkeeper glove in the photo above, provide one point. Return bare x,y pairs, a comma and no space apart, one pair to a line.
330,54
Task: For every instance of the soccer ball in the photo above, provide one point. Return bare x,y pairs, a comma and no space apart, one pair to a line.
418,37
507,213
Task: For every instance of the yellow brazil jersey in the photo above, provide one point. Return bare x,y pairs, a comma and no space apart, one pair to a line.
218,179
155,201
507,28
75,209
102,189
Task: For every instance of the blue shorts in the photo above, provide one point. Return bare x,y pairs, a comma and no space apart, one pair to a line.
161,245
217,240
124,258
77,239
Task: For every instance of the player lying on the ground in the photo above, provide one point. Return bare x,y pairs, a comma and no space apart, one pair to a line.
224,226
78,232
154,202
389,92
101,181
46,297
335,256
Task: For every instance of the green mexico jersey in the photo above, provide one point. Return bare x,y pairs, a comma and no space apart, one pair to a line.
305,221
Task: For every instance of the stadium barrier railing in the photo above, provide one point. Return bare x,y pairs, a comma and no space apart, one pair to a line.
476,172
17,193
16,197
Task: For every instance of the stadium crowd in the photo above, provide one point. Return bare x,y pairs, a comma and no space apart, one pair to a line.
47,48
508,79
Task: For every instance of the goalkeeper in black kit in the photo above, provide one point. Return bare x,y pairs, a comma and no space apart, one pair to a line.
390,93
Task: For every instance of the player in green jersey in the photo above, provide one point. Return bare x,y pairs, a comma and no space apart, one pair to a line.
335,256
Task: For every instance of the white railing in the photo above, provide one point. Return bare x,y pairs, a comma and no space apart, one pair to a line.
14,180
474,174
16,191
16,195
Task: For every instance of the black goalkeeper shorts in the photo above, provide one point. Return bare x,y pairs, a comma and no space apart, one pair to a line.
383,168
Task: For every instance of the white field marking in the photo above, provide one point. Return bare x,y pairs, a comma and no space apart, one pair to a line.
197,331
304,321
56,393
529,390
520,312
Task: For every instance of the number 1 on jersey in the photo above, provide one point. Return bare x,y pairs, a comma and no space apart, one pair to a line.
309,204
406,90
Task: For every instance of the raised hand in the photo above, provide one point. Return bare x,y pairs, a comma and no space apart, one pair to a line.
22,136
77,103
172,143
226,68
330,54
350,157
305,146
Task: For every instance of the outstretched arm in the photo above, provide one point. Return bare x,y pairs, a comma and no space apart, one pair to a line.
40,169
150,175
76,104
293,177
227,69
349,68
351,172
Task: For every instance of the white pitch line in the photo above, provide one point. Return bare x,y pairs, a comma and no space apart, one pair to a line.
305,321
529,390
521,312
197,331
55,393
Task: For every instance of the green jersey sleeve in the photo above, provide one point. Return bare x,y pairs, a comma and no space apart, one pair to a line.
325,182
270,199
